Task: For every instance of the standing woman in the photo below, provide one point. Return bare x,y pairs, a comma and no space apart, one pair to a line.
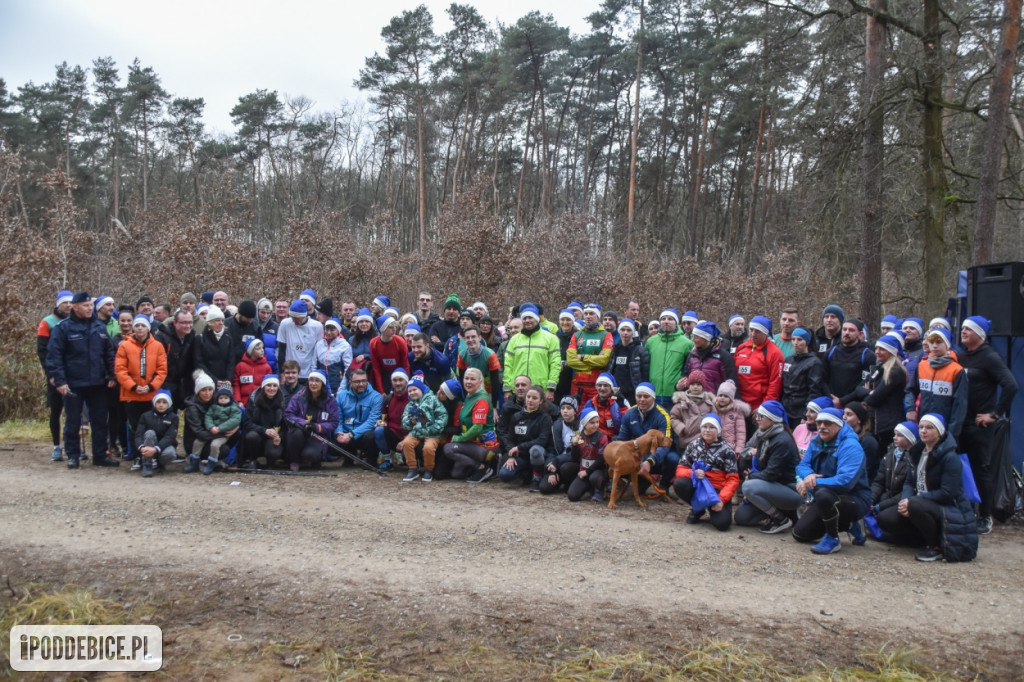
473,450
360,341
933,501
885,391
214,349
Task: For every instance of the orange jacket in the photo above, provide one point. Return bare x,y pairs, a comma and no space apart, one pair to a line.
140,364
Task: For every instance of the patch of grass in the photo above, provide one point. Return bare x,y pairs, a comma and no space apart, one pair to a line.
24,429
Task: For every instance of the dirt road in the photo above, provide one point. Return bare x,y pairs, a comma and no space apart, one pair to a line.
418,565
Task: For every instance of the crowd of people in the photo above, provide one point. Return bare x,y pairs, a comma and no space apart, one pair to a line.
813,429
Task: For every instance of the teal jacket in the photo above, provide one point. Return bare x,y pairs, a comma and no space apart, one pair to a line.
425,418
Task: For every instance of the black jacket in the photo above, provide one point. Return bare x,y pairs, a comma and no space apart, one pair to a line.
631,366
527,429
165,426
242,334
195,417
847,368
216,357
885,398
504,425
444,330
887,487
262,413
777,459
985,372
80,354
181,360
803,379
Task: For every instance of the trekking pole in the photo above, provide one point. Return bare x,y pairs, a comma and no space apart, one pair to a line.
276,472
337,448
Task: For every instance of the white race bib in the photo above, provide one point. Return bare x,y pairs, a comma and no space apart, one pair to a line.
743,369
621,360
245,379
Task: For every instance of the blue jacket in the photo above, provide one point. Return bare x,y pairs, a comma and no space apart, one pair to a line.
636,423
269,337
436,369
79,353
840,465
358,414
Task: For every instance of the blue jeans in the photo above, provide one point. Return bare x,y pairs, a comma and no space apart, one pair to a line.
95,399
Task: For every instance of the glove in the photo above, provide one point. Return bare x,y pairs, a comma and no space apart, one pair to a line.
308,428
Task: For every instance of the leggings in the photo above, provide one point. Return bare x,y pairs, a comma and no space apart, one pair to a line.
828,513
897,528
56,405
580,487
766,499
303,449
466,458
720,519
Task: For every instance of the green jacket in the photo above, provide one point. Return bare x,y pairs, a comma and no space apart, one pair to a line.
536,355
668,358
224,417
430,420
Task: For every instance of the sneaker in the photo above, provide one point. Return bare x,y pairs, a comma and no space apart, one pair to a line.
249,466
193,464
428,477
857,533
411,476
984,527
104,461
72,462
480,475
210,465
929,554
386,466
147,468
694,517
329,457
115,451
56,455
127,456
777,525
178,459
294,466
136,464
828,545
535,485
598,496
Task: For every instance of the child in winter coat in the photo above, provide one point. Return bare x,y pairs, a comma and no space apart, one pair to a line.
424,418
156,438
249,371
733,413
222,421
587,456
689,408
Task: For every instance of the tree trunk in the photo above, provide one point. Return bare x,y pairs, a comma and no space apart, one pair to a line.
698,177
873,156
422,171
635,133
931,157
748,242
995,134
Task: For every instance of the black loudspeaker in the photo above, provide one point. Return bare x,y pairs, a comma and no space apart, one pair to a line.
996,291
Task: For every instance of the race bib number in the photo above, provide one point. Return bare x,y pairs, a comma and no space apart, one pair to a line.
520,429
943,388
864,375
786,367
621,360
300,347
587,463
389,362
593,343
350,420
324,416
609,423
245,379
743,369
926,385
822,347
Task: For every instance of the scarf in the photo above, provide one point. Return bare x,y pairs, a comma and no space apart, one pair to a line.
937,363
764,435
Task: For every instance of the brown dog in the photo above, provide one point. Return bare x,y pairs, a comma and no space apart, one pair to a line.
623,458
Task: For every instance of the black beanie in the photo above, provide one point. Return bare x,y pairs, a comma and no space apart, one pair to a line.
247,308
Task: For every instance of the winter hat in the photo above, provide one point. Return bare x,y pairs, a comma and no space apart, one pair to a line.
586,415
325,307
141,319
250,347
364,315
915,322
830,414
733,318
529,310
706,330
979,325
773,410
318,374
834,310
695,377
143,299
900,336
612,315
333,322
452,389
163,394
187,297
671,312
214,313
858,409
569,400
468,312
412,327
888,322
203,380
231,310
935,420
309,296
247,308
653,324
575,305
298,308
223,390
453,301
81,297
480,304
890,343
819,404
942,335
626,322
646,388
400,372
940,322
762,324
385,321
803,334
606,378
728,388
382,301
407,319
908,430
713,419
264,304
100,302
690,316
418,383
578,324
206,297
566,314
201,307
270,379
592,307
392,311
64,296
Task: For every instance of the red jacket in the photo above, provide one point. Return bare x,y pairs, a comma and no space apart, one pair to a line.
760,372
248,377
385,358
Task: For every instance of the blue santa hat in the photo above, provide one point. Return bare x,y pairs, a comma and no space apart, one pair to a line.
141,319
385,321
593,307
606,378
936,420
819,404
298,308
762,324
364,315
690,316
712,419
318,374
915,322
706,330
382,301
333,322
647,388
101,301
309,296
733,318
890,343
908,430
65,296
979,325
452,389
163,394
626,322
566,314
947,338
889,322
251,345
831,414
586,415
412,327
529,310
670,312
773,410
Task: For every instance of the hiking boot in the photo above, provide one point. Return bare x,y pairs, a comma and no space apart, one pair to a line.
136,464
411,476
147,467
929,554
535,485
72,462
777,525
104,461
829,544
857,533
428,477
294,466
598,496
209,467
193,464
694,517
480,475
55,456
984,525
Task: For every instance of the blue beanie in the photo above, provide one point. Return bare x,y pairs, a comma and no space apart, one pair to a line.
908,430
206,297
835,310
412,327
626,322
979,325
319,374
418,383
803,334
308,293
385,321
364,314
587,414
141,319
566,313
831,414
298,308
733,318
761,324
774,410
529,310
575,305
595,307
706,330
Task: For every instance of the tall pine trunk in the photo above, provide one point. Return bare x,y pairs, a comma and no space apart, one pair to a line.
873,157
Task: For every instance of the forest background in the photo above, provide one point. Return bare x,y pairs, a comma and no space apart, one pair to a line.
718,155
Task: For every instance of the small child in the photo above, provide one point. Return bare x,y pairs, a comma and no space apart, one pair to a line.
424,418
222,421
588,457
156,437
733,414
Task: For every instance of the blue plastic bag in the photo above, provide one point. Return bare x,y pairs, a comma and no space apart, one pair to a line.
872,525
704,494
970,487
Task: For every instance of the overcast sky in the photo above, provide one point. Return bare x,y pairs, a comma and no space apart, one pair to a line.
221,49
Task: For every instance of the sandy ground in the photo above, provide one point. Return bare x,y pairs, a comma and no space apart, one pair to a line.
427,566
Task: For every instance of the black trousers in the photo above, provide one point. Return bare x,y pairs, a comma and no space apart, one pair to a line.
95,399
720,519
829,513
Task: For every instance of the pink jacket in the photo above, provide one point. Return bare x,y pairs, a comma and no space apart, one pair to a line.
734,424
686,417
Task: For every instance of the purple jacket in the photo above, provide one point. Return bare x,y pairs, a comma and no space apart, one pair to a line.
716,363
323,414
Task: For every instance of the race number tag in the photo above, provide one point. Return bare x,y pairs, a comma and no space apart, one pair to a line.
943,388
520,429
245,379
621,360
389,361
743,369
